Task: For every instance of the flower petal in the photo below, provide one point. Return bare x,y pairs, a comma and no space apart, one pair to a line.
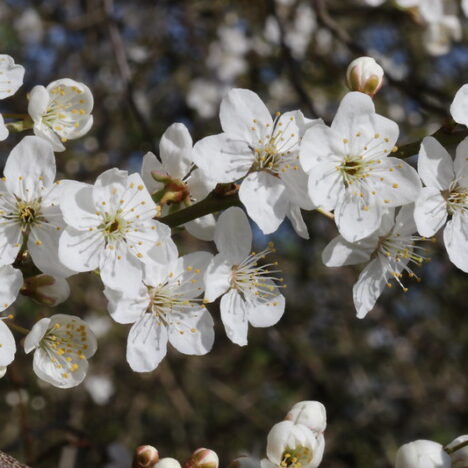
127,308
194,335
461,163
369,287
435,165
262,314
146,344
430,211
11,281
295,216
265,200
38,101
318,144
340,252
202,228
175,149
8,348
30,168
235,317
456,241
243,115
325,185
217,277
151,163
222,159
459,106
233,236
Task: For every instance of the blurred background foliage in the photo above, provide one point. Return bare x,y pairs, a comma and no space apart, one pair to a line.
398,375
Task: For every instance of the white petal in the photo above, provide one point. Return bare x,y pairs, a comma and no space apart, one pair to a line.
120,269
456,241
459,107
3,129
352,219
318,144
353,105
109,188
30,168
435,165
44,132
8,348
189,273
199,185
265,200
262,314
240,111
405,224
235,317
127,308
296,182
295,216
12,76
202,228
34,337
325,185
151,163
146,344
394,182
77,205
11,281
222,159
175,150
368,288
233,236
38,101
430,211
217,277
80,250
340,252
461,163
11,239
195,333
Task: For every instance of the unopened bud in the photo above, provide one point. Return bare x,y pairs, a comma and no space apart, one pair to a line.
422,454
311,414
202,458
146,456
160,176
167,463
458,451
365,75
2,371
46,289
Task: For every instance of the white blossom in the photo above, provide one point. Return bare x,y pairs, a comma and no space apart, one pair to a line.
62,346
422,454
110,226
250,291
46,289
262,151
204,96
175,180
61,111
350,170
29,206
445,194
390,252
165,309
292,445
459,106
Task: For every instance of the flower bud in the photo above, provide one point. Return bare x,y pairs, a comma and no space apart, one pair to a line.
202,458
146,456
459,457
3,370
46,289
167,463
365,75
311,414
422,454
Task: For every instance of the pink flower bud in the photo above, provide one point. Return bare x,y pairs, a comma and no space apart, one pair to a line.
46,289
167,463
365,75
146,456
202,458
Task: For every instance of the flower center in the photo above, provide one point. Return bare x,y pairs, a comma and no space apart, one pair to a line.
113,227
356,168
250,279
296,457
26,214
457,199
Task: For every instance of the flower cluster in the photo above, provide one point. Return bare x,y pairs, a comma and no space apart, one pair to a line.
275,166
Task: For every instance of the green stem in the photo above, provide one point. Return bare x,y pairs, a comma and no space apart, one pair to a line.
459,446
20,125
18,328
211,204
